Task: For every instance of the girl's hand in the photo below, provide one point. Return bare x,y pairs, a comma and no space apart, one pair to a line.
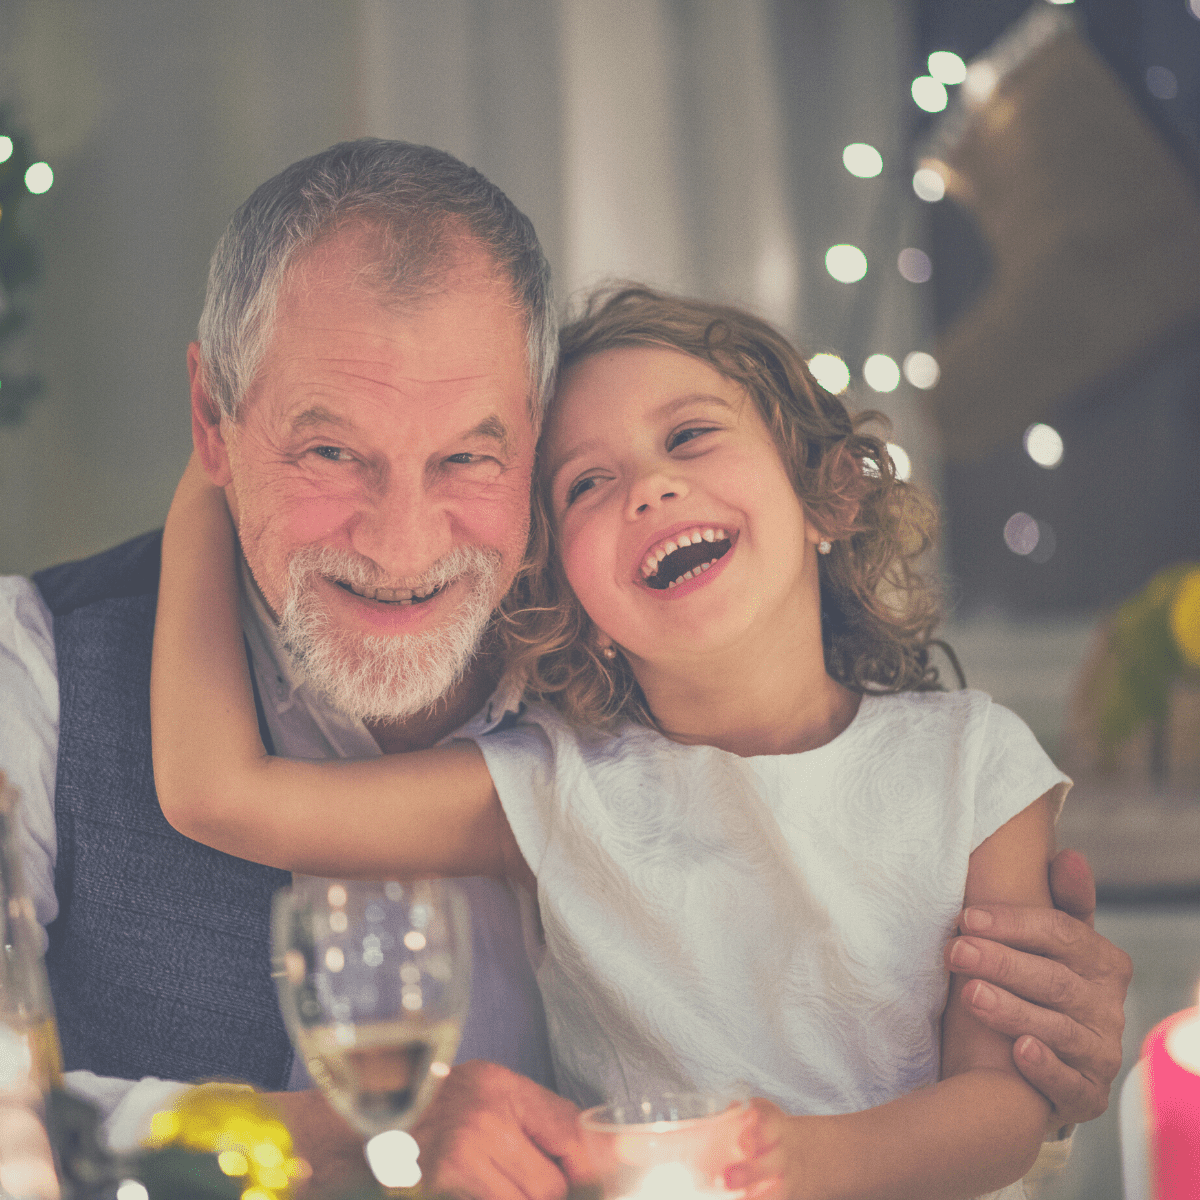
773,1168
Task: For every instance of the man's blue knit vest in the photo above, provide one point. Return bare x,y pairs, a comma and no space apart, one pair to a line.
159,959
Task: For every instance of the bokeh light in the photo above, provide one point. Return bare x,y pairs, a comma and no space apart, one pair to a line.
921,369
39,177
1161,83
847,264
6,148
928,94
392,1156
980,82
915,265
928,184
1021,533
946,67
1044,445
830,372
1029,537
881,373
132,1189
862,160
900,460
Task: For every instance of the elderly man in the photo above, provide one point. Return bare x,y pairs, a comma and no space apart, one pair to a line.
375,350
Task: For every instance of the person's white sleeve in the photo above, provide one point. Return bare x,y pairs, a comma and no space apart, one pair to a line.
1013,772
126,1104
29,733
29,758
1049,1164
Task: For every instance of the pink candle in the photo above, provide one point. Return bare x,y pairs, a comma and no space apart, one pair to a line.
1171,1060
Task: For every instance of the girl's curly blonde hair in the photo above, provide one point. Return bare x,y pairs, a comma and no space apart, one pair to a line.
877,609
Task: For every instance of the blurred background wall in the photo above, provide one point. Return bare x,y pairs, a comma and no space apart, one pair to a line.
1049,268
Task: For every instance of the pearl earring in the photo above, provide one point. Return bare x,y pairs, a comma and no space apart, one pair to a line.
824,546
609,653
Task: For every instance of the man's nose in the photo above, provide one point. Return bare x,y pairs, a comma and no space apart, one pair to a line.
402,528
652,490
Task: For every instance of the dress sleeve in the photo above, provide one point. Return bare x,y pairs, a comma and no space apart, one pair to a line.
1013,772
523,760
29,733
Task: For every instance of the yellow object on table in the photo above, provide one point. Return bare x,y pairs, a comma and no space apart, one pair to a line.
242,1129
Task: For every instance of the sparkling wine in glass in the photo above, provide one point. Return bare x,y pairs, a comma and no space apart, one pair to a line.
374,983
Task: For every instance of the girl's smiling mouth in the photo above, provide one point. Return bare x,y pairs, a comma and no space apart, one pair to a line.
684,555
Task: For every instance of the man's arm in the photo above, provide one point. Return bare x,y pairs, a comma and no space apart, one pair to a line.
1057,987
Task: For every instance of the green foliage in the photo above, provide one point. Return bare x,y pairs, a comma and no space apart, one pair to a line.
20,266
1144,658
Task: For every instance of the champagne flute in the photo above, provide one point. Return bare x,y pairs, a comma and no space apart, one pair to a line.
374,983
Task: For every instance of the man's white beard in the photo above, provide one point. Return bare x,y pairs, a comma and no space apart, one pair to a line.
381,678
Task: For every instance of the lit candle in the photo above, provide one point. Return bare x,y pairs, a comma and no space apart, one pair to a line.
639,1155
1171,1069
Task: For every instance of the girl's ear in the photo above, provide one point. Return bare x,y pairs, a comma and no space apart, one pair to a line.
842,485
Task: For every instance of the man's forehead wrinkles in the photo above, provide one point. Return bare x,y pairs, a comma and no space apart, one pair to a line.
380,370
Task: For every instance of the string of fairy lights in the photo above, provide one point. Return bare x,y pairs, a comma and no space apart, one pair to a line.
20,177
847,264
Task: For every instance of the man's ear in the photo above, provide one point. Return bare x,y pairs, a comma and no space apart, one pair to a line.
207,434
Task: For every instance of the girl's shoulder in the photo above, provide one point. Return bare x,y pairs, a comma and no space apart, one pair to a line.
924,716
966,736
968,725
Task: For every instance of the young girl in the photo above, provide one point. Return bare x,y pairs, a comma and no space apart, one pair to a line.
751,818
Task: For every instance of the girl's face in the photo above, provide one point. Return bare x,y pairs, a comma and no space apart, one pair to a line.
679,529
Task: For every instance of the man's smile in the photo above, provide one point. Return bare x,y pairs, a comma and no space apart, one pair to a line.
398,596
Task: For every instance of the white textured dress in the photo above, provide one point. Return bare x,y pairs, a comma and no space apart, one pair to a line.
771,923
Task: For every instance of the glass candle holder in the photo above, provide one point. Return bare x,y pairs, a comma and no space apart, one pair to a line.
673,1146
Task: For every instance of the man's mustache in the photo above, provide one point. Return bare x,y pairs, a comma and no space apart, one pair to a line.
362,574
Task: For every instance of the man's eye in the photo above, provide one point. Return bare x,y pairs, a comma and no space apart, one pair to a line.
686,435
579,487
463,459
331,453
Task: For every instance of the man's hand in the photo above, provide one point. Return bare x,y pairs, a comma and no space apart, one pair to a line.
1059,989
496,1135
325,1141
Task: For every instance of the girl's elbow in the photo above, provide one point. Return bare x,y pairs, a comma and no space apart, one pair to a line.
188,809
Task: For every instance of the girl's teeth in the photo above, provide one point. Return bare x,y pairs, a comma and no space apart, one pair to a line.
656,556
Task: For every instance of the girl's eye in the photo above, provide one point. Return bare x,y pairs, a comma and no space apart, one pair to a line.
579,487
686,435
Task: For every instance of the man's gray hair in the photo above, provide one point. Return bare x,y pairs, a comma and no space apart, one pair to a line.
419,202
